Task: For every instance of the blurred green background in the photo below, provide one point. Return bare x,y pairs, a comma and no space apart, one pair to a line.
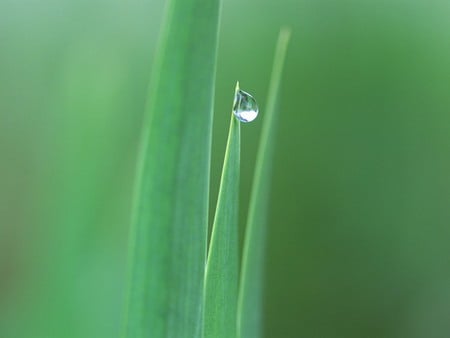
360,208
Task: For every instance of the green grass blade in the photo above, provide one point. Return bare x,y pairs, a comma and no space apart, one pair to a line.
169,231
252,271
221,282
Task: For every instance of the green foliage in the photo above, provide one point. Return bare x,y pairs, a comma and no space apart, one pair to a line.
224,317
221,282
358,208
168,240
252,273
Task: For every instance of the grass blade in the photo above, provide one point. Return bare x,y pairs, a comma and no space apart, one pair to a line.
221,282
251,286
169,231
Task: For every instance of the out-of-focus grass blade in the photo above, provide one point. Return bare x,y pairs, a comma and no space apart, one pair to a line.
221,282
169,231
251,283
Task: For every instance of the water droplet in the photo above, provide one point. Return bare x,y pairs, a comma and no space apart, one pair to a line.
245,107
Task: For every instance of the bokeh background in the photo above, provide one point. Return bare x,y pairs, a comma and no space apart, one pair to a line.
359,238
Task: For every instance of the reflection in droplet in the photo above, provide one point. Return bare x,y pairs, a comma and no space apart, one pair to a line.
245,107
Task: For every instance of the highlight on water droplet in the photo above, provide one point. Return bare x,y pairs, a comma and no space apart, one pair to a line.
245,107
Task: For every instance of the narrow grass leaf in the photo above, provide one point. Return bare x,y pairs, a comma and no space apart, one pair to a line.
169,230
221,282
250,303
